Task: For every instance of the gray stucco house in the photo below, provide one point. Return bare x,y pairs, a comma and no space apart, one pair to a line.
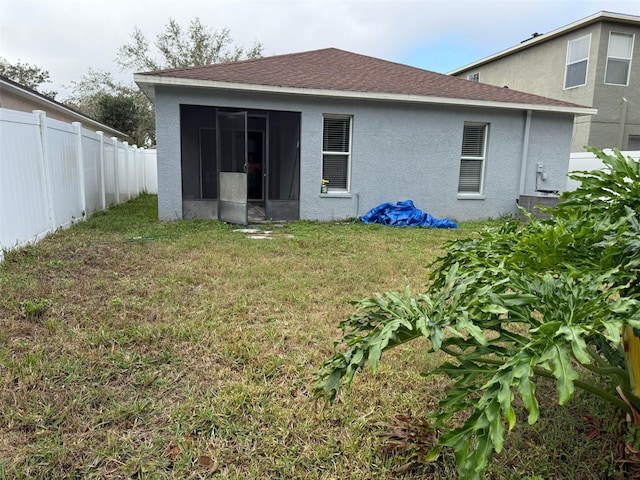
260,136
594,61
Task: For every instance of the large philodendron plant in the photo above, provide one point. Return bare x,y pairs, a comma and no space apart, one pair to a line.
547,298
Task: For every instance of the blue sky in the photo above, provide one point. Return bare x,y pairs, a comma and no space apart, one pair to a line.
67,37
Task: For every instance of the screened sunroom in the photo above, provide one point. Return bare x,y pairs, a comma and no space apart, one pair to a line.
239,165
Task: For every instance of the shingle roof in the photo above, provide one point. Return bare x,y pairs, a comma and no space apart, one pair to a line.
332,69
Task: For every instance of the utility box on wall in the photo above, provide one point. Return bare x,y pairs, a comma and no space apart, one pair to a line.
529,202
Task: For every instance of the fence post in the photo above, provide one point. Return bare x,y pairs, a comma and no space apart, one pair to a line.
103,196
80,160
115,168
46,169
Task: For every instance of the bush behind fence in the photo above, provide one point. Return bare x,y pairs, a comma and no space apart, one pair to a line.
54,174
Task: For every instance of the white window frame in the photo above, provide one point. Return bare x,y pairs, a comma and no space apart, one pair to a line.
474,77
482,159
567,63
330,189
629,59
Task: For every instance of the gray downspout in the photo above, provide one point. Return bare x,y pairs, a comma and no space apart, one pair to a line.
622,123
525,151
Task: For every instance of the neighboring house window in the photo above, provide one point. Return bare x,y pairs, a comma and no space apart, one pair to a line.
619,56
474,77
336,152
577,62
474,148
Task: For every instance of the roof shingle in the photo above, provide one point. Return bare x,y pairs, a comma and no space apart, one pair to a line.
338,70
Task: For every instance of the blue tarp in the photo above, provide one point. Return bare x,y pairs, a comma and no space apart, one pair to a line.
404,214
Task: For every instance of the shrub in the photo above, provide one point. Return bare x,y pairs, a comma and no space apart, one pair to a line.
547,298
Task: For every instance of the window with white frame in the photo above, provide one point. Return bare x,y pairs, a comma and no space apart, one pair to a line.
336,152
474,77
472,159
619,55
577,62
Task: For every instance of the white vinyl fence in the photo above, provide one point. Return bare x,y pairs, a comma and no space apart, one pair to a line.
54,174
588,161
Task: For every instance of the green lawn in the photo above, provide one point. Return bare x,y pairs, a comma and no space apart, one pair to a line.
131,348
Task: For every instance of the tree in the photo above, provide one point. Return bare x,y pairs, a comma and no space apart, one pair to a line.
199,45
553,298
26,74
120,112
98,95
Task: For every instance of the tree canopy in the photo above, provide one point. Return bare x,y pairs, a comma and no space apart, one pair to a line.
100,96
27,74
123,107
177,48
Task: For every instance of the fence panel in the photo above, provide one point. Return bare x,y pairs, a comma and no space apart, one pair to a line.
580,161
110,171
139,166
123,184
65,174
24,212
92,171
52,174
150,171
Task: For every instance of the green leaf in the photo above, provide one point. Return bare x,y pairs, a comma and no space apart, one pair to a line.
563,371
496,429
527,393
473,330
375,352
574,335
495,309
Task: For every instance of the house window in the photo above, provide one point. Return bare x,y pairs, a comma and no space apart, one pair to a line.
619,59
474,77
633,143
336,152
474,148
577,61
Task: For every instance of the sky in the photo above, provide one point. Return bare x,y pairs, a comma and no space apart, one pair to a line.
67,37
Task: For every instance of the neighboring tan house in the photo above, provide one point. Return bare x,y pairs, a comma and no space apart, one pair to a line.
14,96
262,135
594,61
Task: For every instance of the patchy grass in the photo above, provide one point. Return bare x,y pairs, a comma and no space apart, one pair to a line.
135,348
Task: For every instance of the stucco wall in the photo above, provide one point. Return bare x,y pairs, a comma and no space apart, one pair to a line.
16,102
400,151
540,70
608,99
549,145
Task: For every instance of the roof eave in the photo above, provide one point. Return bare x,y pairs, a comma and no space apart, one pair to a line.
596,17
148,82
53,105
